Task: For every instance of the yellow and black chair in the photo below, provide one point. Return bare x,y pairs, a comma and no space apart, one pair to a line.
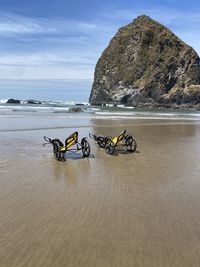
70,141
59,149
123,140
110,143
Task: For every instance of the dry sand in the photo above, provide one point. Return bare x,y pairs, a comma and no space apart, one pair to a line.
140,209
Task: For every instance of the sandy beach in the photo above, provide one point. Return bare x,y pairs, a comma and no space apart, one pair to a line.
140,209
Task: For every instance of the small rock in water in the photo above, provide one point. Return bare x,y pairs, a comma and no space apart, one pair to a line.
13,101
75,110
33,102
80,104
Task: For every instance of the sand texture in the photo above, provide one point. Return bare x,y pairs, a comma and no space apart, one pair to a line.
140,209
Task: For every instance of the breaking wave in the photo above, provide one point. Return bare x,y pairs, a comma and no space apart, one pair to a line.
66,108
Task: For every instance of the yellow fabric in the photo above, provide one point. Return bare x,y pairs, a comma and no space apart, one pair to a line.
120,137
63,149
115,140
71,142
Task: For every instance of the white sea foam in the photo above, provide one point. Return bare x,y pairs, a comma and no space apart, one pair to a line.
32,108
95,109
127,107
51,108
147,118
115,113
3,101
148,115
109,105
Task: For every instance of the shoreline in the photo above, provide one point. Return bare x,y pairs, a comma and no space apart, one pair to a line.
102,122
150,106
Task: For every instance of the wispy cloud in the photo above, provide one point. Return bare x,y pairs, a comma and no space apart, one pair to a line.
164,15
46,59
15,24
51,65
56,48
46,72
61,48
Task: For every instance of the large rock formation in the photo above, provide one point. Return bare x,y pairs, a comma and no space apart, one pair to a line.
146,64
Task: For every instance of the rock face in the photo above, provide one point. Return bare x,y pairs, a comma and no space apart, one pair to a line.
146,64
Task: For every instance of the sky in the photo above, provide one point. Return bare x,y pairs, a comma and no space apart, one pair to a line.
55,44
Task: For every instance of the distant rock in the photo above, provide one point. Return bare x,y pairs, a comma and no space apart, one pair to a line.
75,110
80,104
13,101
33,102
146,64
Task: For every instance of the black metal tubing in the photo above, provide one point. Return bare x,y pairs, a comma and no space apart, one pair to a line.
47,140
93,136
74,149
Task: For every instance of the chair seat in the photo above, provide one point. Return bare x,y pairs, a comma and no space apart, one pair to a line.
115,140
63,149
71,140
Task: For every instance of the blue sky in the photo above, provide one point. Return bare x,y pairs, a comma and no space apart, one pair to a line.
61,41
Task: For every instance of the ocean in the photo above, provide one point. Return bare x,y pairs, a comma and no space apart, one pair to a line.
50,114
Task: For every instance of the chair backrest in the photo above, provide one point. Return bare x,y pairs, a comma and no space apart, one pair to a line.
121,136
71,140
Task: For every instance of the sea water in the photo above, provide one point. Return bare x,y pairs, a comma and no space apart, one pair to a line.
50,114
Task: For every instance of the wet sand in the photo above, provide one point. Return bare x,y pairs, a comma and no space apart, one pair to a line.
140,209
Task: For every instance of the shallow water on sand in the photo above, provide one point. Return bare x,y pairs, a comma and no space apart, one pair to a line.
139,209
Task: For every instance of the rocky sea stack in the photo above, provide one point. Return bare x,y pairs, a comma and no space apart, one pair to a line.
146,64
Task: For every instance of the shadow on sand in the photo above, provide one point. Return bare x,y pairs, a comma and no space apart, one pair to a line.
76,156
119,151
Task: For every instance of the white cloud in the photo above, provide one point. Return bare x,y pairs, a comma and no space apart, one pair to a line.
46,72
14,24
53,65
66,49
45,59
